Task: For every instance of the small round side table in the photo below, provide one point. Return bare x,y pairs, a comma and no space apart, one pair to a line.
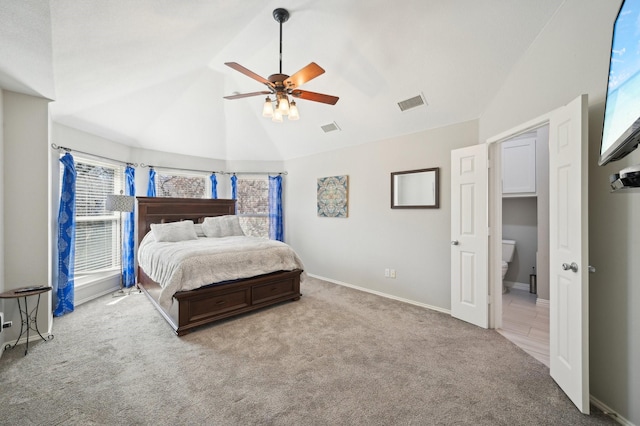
28,318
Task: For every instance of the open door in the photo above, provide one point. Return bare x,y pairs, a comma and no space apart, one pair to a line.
568,251
568,241
469,235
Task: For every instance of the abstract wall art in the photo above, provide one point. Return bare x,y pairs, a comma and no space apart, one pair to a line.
333,198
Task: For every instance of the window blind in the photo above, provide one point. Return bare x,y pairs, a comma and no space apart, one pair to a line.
98,243
181,185
253,205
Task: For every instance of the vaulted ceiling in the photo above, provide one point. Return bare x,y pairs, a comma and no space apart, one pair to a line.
151,73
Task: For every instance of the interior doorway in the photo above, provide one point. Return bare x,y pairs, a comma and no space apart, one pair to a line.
524,212
476,294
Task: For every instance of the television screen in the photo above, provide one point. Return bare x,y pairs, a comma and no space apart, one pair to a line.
621,130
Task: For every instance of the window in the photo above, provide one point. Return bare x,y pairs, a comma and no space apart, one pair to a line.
97,245
181,185
253,205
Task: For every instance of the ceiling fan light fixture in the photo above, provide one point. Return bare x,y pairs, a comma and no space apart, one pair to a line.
283,104
267,109
277,116
280,85
293,111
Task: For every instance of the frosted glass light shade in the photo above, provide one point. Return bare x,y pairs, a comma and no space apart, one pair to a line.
267,109
119,203
277,116
293,111
283,105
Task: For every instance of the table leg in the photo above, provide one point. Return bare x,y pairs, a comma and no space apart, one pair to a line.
27,318
28,321
35,321
23,323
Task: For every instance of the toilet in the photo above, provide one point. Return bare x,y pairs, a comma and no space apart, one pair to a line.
508,248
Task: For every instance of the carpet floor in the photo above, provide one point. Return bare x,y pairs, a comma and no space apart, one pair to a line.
337,356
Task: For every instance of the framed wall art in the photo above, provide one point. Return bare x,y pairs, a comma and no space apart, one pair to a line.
332,193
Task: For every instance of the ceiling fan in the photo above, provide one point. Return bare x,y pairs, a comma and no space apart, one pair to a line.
281,85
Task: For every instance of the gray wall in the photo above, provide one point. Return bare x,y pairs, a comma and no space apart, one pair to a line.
520,223
614,290
25,201
571,57
2,288
356,250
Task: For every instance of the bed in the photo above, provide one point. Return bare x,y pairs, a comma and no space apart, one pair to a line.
214,301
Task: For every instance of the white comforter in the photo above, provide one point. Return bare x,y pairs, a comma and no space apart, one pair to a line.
186,265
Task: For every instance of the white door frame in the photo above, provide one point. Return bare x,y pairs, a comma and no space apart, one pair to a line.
495,213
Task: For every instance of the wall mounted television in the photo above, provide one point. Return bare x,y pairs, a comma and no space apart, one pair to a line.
621,130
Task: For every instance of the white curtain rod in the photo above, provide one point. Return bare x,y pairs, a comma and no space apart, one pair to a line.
64,148
178,168
214,172
256,173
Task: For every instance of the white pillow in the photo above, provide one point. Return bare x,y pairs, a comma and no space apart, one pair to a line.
199,231
174,231
222,226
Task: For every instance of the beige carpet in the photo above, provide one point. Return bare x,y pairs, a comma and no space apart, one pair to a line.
336,357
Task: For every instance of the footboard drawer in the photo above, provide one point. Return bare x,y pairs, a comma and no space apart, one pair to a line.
273,290
217,305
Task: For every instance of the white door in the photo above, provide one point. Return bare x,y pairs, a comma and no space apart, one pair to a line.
469,235
568,251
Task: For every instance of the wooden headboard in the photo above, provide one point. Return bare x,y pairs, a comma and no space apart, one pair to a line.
163,210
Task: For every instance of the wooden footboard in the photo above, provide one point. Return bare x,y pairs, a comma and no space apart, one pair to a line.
194,308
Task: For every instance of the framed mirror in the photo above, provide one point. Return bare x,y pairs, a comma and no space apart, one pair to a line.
415,189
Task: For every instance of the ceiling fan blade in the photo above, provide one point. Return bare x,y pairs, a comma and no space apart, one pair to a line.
246,95
307,73
236,66
312,96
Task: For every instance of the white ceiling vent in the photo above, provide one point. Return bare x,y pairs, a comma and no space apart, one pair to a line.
414,102
330,127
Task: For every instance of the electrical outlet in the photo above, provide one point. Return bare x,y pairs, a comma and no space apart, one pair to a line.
386,273
392,273
7,324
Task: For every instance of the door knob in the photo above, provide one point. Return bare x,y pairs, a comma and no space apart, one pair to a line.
592,269
573,267
455,242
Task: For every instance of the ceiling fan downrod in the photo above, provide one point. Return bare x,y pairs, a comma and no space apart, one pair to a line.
281,16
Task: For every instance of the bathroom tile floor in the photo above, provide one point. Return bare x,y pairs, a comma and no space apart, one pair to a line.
526,323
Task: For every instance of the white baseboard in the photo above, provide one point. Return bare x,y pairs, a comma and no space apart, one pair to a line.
94,289
609,411
516,285
542,302
378,293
